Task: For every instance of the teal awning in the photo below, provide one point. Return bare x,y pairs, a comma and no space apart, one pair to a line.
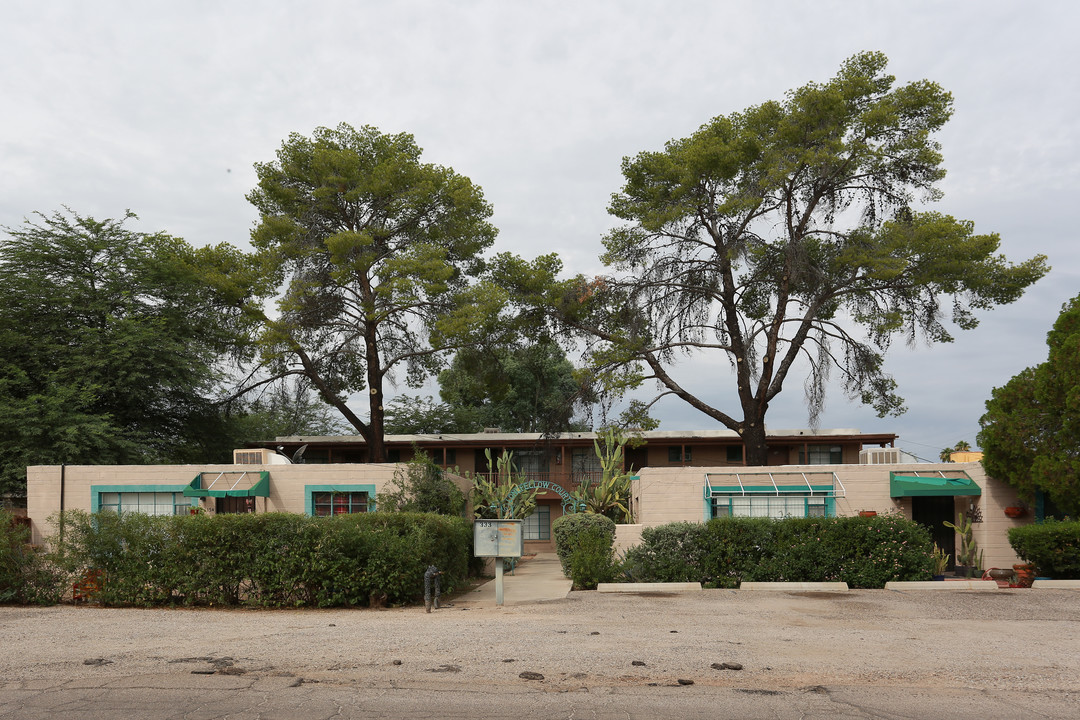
931,486
240,483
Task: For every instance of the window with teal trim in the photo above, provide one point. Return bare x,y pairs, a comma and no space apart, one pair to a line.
148,503
325,504
772,506
538,525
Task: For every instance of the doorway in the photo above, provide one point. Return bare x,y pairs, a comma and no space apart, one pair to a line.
932,512
235,505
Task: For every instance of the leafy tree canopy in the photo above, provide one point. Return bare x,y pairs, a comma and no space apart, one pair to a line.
529,388
1030,433
378,252
112,346
785,234
416,415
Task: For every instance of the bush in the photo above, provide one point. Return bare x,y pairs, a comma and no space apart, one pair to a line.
270,559
585,545
863,552
25,574
1052,546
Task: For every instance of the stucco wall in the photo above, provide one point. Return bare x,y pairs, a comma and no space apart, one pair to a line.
287,484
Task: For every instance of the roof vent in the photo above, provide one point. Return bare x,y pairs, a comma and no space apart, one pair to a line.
492,431
880,456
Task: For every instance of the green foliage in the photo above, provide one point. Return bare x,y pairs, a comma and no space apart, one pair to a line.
969,554
610,494
787,232
421,486
1030,434
863,552
378,251
415,415
111,346
491,494
26,576
284,409
591,534
1053,547
531,388
269,559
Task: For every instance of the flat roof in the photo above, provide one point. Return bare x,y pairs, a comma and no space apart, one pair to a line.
495,438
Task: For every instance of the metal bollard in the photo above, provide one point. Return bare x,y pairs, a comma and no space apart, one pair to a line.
432,573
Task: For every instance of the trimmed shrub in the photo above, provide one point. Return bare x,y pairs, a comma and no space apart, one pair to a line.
863,552
270,559
1053,547
585,545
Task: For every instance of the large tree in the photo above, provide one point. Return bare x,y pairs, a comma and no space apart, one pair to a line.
378,251
788,232
527,388
1030,434
111,346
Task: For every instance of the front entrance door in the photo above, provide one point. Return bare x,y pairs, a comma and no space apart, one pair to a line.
932,512
235,505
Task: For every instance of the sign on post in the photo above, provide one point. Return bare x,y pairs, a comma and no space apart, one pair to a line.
498,539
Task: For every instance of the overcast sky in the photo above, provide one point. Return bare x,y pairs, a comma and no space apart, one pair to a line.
106,106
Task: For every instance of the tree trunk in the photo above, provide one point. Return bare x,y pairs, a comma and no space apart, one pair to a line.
756,451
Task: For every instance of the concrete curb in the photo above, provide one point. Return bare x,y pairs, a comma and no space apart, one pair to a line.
790,586
948,585
1056,585
648,587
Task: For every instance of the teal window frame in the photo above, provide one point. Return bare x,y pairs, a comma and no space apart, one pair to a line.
310,490
96,492
538,525
826,493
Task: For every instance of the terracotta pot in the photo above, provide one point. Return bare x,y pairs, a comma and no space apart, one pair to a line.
1025,574
1015,512
868,513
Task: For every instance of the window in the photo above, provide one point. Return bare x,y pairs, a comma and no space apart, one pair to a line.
679,454
823,455
734,453
585,464
148,503
531,462
538,525
339,503
774,506
451,456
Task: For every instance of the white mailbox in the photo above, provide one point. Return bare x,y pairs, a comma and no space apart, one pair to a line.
498,538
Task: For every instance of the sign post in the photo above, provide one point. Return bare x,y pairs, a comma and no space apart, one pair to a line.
498,539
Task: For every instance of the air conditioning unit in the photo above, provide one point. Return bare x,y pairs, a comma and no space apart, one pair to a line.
880,456
258,456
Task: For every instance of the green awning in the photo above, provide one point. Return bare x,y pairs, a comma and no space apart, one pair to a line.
934,486
241,483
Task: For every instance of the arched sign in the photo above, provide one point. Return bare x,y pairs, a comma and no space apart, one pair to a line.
569,504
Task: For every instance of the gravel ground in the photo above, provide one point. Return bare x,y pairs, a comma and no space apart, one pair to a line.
1023,640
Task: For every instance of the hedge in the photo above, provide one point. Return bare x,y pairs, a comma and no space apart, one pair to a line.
585,543
26,576
1053,547
863,552
270,560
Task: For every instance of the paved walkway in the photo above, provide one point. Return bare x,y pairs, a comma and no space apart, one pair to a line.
538,578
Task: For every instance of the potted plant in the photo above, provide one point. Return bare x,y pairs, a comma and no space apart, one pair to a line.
941,562
1025,574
